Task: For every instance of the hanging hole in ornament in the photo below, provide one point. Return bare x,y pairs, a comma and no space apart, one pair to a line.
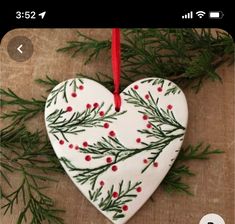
117,109
117,101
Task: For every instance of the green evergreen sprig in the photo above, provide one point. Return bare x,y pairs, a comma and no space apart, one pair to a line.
186,56
31,157
173,180
26,108
86,44
49,82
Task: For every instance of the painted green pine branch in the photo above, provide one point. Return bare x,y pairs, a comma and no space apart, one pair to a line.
155,113
112,203
91,174
124,196
79,120
56,92
60,90
170,89
95,194
155,131
106,146
154,81
86,174
160,146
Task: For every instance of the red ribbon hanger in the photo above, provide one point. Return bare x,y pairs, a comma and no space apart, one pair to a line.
116,61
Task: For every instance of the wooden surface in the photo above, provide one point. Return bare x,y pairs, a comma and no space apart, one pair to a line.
211,120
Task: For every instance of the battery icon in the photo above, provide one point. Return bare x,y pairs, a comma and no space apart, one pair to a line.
216,15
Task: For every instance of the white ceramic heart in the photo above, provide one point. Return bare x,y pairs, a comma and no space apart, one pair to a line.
116,159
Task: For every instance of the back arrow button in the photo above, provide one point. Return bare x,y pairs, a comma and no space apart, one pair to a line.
19,48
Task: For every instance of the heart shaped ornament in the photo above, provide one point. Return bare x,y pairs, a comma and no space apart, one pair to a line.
116,159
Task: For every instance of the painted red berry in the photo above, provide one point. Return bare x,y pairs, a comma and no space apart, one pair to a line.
102,183
69,109
74,94
109,160
155,164
76,147
124,207
101,113
88,106
81,87
106,125
159,89
169,107
115,194
95,105
138,140
145,161
146,96
85,144
145,117
138,189
112,133
149,125
71,146
61,142
114,168
136,87
88,158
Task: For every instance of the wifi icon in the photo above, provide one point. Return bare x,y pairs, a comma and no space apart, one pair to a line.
200,14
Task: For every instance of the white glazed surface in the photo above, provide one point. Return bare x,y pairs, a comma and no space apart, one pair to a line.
75,95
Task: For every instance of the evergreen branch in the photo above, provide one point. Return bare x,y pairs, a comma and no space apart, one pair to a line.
51,83
30,156
35,202
173,180
27,108
197,152
186,56
86,45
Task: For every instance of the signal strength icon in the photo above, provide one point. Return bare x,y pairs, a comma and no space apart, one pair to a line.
188,15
